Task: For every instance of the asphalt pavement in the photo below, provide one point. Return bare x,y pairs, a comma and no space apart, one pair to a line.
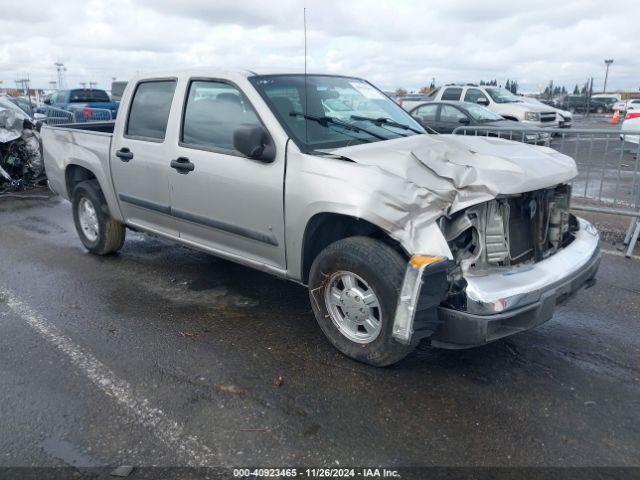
162,355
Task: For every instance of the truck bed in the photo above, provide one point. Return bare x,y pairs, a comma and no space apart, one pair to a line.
79,145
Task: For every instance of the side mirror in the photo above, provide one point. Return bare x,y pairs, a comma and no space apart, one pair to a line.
47,101
482,101
254,142
39,116
464,121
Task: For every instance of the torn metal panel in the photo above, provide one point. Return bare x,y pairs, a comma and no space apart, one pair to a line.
31,153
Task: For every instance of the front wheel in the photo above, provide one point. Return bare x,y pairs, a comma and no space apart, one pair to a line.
354,286
98,231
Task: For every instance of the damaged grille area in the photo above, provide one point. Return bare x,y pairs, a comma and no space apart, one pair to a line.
511,230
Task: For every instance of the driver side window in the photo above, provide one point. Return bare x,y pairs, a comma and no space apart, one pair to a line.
213,112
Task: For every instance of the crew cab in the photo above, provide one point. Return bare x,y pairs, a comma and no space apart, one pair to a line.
398,235
499,100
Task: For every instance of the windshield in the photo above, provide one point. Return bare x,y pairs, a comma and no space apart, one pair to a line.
481,113
336,112
501,95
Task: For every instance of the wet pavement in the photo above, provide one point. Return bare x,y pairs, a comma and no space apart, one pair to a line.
162,355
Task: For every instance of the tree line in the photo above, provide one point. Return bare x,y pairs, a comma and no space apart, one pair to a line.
549,92
511,85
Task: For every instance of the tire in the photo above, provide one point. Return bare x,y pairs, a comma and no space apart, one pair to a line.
110,234
382,270
600,110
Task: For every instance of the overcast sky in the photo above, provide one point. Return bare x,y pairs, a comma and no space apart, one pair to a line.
401,43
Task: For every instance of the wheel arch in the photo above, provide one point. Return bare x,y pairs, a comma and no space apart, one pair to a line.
75,173
325,228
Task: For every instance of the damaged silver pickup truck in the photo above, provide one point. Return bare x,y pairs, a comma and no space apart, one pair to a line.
398,234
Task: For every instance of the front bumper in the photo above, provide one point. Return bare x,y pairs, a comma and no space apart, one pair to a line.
502,303
565,123
539,124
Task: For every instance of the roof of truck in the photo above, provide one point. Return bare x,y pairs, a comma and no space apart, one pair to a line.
225,72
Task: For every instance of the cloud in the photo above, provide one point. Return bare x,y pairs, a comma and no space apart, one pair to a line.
393,43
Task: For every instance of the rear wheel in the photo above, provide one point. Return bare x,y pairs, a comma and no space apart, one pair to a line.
98,231
354,286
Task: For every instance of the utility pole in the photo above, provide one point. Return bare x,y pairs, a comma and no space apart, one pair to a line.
589,92
606,74
25,87
60,68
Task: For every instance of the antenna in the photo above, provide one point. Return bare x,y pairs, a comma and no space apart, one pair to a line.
306,93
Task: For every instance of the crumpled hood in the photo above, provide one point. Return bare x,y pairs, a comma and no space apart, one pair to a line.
465,170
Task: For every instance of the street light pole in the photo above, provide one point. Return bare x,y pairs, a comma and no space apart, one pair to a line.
606,75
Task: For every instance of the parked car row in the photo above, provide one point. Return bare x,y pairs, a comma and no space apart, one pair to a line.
627,105
446,116
500,101
583,104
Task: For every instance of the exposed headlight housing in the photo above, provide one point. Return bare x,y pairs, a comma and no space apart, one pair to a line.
532,116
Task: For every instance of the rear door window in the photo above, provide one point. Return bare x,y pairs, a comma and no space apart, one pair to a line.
426,113
452,93
451,114
149,112
474,94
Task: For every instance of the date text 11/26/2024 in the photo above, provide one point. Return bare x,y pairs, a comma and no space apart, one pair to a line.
316,473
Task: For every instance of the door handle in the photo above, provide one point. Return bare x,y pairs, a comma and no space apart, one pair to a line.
124,154
182,165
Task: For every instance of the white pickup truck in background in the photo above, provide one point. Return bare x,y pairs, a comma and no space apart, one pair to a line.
500,101
399,235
